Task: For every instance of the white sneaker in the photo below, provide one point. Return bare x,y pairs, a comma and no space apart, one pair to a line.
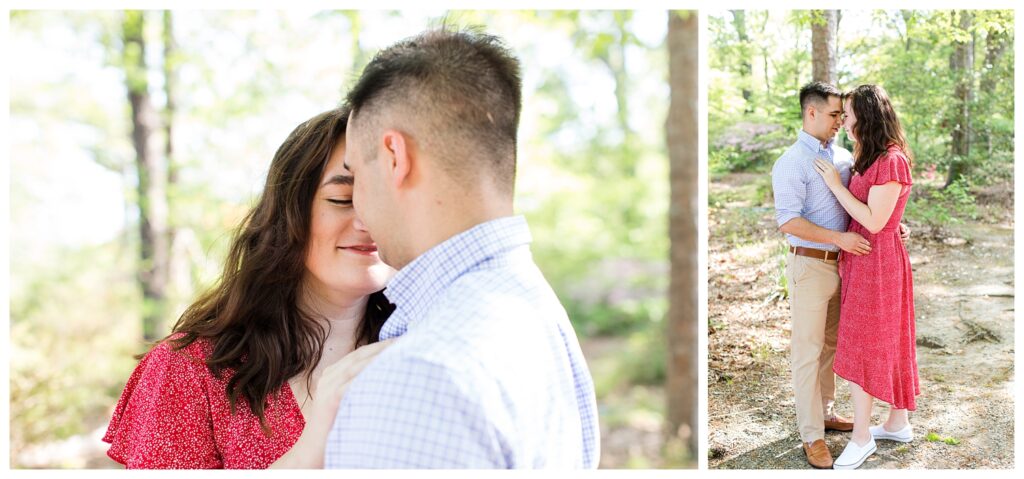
853,456
903,435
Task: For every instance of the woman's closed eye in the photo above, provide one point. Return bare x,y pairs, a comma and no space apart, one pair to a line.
340,202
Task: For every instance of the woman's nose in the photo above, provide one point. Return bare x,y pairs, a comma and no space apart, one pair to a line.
359,225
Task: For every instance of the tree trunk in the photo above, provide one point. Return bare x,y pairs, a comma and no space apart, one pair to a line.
996,42
179,267
961,64
682,141
152,179
746,70
823,45
908,16
170,81
765,55
614,59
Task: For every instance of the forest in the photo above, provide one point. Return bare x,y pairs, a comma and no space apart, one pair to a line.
140,139
950,75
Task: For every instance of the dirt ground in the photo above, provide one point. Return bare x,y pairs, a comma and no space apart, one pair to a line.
963,294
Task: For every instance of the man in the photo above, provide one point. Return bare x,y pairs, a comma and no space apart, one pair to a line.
815,226
488,372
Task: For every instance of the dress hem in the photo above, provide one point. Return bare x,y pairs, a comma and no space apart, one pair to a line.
891,403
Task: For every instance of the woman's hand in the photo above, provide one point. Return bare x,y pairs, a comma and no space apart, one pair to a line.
335,379
829,173
308,451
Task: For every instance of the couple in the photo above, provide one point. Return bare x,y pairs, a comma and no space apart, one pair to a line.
300,358
863,328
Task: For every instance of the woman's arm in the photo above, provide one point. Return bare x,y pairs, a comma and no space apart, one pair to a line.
881,198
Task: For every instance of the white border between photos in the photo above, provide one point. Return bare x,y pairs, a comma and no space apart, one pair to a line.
5,242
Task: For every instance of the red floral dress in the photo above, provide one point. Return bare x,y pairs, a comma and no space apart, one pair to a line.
174,414
876,344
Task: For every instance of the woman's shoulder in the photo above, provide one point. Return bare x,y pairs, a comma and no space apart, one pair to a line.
894,153
168,367
892,165
171,353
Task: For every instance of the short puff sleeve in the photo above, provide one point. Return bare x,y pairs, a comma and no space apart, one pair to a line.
893,165
163,419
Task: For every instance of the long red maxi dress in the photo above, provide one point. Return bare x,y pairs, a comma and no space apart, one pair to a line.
876,344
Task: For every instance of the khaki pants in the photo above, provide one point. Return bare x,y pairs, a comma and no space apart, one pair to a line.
814,309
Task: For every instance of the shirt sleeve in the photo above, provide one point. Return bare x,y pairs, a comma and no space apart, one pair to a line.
789,190
162,420
412,413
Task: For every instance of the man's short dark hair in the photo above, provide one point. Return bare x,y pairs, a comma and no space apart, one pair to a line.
463,90
817,92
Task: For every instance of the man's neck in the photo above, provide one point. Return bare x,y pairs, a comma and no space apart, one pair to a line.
824,143
450,215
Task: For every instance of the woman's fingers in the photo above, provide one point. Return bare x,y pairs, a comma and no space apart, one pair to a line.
348,374
863,247
822,167
356,359
357,365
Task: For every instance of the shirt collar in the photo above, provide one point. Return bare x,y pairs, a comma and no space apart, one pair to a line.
813,143
415,287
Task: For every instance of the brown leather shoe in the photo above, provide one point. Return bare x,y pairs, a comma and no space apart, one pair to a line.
818,455
838,423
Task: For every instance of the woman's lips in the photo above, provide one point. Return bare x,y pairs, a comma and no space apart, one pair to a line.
365,249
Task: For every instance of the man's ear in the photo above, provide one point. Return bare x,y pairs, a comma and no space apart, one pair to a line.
399,157
811,112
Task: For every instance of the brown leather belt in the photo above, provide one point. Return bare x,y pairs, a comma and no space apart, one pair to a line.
814,253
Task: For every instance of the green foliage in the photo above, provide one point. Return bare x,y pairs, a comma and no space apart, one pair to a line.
751,145
933,436
781,291
939,208
742,213
907,52
621,317
639,362
71,344
134,62
600,235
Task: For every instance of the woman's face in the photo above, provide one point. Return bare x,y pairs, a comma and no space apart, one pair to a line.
849,118
342,259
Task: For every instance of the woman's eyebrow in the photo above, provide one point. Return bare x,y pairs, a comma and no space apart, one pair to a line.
339,180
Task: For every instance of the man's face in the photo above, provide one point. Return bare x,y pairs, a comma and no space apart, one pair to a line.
850,119
826,118
370,197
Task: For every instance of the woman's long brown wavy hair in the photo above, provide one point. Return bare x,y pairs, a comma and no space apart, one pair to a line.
252,315
877,126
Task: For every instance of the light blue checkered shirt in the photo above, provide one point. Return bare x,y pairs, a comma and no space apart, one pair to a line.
800,191
488,372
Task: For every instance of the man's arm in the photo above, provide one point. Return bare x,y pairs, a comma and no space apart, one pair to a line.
790,191
852,243
411,413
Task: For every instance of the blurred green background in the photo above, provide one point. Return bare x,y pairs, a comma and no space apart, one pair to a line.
592,183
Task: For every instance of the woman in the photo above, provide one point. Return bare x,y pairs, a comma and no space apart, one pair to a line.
875,351
233,385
